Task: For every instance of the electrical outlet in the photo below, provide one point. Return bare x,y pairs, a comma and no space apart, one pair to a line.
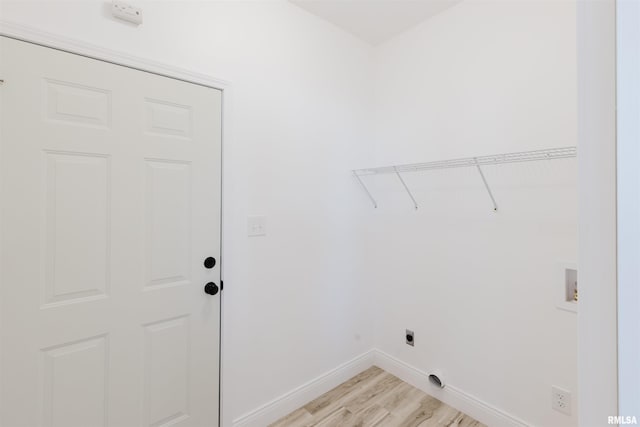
409,337
561,400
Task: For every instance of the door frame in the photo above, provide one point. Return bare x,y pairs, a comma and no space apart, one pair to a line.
88,50
597,216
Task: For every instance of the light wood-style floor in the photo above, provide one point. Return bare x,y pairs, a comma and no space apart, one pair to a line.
376,398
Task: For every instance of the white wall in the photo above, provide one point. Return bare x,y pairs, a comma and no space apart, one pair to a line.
300,109
480,288
628,70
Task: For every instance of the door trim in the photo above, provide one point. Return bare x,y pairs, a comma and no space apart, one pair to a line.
78,47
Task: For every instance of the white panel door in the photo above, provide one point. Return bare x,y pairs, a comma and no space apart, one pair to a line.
110,191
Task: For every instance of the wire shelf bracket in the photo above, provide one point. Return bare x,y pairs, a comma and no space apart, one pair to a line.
486,185
477,162
366,190
404,184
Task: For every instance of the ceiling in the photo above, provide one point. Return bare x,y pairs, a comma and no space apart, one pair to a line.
375,21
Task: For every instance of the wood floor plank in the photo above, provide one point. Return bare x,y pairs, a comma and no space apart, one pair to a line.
339,418
300,417
334,399
444,415
422,414
369,416
388,421
375,398
336,394
467,421
398,396
374,393
410,402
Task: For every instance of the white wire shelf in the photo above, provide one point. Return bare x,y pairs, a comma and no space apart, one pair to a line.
477,162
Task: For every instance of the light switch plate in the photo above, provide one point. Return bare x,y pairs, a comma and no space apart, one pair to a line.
257,226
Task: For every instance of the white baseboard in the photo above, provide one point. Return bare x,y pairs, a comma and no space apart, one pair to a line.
299,396
450,395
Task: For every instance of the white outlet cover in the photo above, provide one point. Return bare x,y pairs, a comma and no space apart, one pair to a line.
561,400
256,226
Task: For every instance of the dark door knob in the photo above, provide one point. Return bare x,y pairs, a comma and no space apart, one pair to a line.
211,288
210,262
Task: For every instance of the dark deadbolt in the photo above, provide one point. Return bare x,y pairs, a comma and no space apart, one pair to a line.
210,262
211,288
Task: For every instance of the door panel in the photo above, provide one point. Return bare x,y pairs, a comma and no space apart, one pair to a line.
110,184
74,383
168,223
166,360
77,222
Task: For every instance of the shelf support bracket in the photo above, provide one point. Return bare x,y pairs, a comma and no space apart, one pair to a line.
415,204
366,190
486,185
